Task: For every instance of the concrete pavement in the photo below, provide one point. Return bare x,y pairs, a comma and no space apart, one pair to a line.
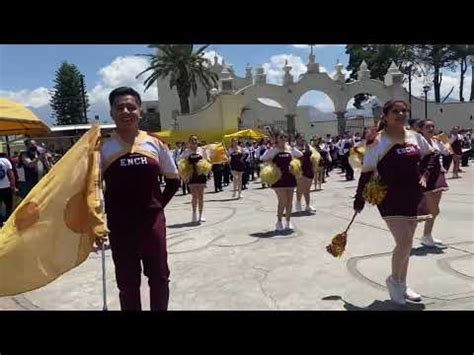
235,261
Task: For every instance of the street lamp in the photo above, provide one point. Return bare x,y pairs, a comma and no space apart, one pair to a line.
426,88
83,93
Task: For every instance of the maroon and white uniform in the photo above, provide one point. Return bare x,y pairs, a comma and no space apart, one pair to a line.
306,164
282,159
456,143
237,159
399,166
134,205
194,158
436,180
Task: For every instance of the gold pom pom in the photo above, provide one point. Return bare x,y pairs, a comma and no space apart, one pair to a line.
269,173
339,241
203,167
295,168
338,245
356,157
185,169
374,191
315,159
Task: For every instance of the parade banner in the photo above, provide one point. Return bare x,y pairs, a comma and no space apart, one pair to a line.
53,229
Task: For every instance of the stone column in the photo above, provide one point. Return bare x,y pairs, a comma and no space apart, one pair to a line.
341,122
290,124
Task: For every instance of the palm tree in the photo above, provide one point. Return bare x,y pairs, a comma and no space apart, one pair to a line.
184,68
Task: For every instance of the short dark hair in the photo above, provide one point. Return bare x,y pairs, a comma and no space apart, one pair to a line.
413,122
122,91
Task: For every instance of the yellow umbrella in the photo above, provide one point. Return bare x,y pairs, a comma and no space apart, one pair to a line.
16,119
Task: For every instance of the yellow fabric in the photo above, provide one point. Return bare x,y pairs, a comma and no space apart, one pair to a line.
356,157
16,119
246,133
217,153
171,137
54,227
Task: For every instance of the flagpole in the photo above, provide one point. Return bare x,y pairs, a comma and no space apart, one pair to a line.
104,274
104,284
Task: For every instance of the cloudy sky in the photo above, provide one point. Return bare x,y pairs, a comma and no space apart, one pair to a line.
27,71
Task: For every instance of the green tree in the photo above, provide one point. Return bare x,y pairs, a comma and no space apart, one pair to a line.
436,57
185,69
67,100
378,58
463,53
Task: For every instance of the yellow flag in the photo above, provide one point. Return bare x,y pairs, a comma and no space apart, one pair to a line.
217,153
54,227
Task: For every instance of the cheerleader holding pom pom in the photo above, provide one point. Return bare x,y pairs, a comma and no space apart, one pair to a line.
280,170
194,168
397,164
309,166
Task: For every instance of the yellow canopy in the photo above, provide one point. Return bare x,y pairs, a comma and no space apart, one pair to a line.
171,137
16,119
246,133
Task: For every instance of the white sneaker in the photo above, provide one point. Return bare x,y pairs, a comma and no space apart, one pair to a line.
298,207
412,295
202,219
289,226
279,226
310,208
195,218
428,241
396,291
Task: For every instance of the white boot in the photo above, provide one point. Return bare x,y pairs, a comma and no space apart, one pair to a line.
396,291
429,241
412,295
298,207
201,218
310,208
279,226
289,226
195,219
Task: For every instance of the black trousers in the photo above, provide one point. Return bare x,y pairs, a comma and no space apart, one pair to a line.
447,160
218,173
465,159
347,167
6,196
227,174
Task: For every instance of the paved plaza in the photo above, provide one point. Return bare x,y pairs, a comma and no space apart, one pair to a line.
235,261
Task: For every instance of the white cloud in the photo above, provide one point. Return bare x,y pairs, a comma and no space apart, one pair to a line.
274,68
32,98
121,72
449,81
211,54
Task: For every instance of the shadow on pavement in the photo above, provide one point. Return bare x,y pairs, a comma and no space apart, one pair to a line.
302,214
223,200
183,225
423,250
270,234
377,305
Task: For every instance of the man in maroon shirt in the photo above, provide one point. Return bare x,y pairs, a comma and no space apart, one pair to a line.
131,163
